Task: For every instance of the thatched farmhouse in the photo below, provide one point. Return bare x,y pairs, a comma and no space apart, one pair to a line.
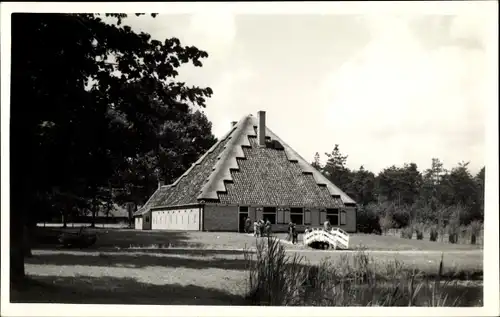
250,172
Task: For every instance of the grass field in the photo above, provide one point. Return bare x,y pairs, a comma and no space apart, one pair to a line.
131,238
208,268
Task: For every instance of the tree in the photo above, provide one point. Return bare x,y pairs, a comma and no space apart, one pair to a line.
335,168
317,163
180,144
480,181
461,189
400,185
362,187
86,97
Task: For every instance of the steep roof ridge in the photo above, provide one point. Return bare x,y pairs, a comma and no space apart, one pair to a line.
198,162
144,208
227,160
307,168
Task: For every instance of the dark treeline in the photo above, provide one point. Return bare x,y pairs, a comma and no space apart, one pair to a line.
405,197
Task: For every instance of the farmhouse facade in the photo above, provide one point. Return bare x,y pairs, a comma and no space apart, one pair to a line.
250,172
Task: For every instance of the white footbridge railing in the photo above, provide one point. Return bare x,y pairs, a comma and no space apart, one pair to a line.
336,237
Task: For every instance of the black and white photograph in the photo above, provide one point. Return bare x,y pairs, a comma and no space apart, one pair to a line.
199,158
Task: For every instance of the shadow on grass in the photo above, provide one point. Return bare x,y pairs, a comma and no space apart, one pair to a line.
112,290
141,260
46,238
198,259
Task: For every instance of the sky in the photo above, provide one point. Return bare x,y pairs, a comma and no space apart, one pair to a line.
389,89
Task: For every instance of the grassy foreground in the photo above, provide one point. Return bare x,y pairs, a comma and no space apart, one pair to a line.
173,276
278,279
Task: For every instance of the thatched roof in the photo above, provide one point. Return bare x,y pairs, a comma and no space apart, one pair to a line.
236,170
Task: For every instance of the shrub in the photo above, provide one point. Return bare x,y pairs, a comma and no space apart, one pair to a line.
474,229
386,222
453,230
462,233
433,230
407,233
367,221
401,216
419,230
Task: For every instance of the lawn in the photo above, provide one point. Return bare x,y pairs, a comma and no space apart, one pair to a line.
200,268
130,238
172,276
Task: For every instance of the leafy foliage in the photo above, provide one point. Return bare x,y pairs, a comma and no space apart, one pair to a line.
97,114
435,196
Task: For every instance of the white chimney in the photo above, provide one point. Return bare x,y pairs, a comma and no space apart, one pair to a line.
261,130
233,123
161,183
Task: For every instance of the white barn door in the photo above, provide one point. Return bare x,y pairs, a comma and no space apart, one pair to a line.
183,219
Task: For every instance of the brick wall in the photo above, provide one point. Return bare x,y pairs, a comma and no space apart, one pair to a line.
220,218
350,225
225,218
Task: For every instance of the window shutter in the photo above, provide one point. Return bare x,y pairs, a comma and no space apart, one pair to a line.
322,217
287,216
307,217
281,216
342,217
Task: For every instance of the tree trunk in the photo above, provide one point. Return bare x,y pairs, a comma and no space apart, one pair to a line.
27,239
16,247
65,219
92,224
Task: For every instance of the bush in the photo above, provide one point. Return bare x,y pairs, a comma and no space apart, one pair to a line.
386,222
367,221
474,229
433,230
419,230
401,216
407,233
462,233
453,230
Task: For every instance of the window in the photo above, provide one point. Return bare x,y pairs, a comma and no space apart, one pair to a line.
269,213
332,215
297,216
147,218
243,209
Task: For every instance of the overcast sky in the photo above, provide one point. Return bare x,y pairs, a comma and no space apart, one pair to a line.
388,89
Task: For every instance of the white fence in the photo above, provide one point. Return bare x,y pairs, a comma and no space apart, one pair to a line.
78,225
336,237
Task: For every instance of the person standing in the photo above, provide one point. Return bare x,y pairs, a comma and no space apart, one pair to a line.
268,227
248,224
295,235
256,229
326,225
290,235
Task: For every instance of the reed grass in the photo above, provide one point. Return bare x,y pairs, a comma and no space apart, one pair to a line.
276,279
